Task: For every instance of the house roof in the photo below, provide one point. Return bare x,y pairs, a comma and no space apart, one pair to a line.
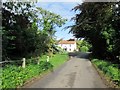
67,42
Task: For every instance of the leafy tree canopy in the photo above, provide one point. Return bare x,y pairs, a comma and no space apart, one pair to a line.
99,24
27,31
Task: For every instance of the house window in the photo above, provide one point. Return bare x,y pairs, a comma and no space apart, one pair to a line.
65,49
70,49
70,45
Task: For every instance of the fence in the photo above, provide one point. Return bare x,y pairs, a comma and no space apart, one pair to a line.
23,62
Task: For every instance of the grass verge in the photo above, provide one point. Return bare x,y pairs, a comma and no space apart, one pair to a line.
14,76
110,71
56,60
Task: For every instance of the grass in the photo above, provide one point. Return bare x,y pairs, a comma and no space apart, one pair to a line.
56,60
14,76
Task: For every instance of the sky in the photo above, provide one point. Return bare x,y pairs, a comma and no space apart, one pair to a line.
63,9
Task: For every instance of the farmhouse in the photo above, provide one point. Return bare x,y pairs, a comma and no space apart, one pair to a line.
68,45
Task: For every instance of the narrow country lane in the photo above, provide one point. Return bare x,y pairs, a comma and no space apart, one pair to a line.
78,72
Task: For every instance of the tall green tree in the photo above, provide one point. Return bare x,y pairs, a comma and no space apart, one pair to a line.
95,23
27,32
48,22
15,21
116,26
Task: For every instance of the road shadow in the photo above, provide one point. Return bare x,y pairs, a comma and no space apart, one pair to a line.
84,55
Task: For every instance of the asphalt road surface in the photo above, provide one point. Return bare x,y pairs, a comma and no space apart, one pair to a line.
78,72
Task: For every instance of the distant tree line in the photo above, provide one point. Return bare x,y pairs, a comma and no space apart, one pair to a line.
99,24
27,31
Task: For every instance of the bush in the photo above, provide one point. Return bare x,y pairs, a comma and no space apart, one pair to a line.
109,69
84,49
13,76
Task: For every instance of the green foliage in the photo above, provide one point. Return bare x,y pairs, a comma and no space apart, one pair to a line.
99,24
83,46
111,70
84,49
21,35
15,23
48,22
13,75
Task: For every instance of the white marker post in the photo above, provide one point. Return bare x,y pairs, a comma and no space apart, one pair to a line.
47,58
38,61
23,64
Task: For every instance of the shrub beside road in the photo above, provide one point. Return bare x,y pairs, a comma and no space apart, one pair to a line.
109,69
14,76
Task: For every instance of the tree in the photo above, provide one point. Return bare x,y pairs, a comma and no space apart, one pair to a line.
81,44
15,21
116,26
48,22
95,24
25,34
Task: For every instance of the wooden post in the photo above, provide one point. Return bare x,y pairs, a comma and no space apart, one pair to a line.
38,61
23,64
47,58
